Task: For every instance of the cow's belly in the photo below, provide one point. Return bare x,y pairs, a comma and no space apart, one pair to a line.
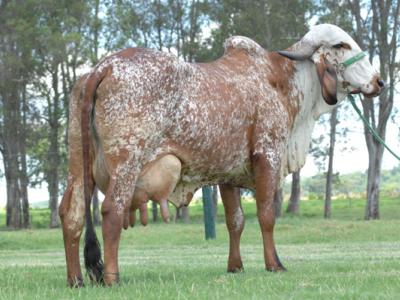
193,179
164,179
210,158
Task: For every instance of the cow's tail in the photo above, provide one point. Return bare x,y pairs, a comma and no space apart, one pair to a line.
92,251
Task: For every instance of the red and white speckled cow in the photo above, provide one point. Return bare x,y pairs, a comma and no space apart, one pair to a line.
145,124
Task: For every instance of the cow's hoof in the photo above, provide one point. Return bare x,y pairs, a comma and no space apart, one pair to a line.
276,269
235,269
235,266
75,282
111,279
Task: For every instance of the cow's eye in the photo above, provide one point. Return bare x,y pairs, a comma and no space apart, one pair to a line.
342,45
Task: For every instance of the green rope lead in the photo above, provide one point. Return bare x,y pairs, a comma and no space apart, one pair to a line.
354,59
371,130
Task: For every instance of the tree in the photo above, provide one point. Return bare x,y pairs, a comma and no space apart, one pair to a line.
378,32
94,34
278,199
331,12
294,200
182,213
274,24
60,52
329,173
17,65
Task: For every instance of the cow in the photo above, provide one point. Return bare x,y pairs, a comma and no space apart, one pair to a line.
145,125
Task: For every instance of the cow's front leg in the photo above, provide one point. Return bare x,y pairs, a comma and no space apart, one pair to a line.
117,200
72,212
266,185
235,222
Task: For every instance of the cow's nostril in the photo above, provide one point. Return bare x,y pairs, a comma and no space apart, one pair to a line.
380,82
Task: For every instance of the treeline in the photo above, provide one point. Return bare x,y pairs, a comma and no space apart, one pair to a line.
350,185
46,44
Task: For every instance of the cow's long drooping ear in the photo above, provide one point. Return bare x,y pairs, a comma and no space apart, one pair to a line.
328,79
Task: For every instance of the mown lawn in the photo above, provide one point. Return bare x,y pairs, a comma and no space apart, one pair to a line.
342,258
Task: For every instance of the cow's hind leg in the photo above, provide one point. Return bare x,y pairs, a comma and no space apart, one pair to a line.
72,212
266,185
117,200
235,223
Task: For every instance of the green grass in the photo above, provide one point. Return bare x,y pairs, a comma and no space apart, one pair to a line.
342,258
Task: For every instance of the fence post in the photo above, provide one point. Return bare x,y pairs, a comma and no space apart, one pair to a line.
209,221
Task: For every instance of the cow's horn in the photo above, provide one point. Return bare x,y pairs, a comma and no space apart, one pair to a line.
302,50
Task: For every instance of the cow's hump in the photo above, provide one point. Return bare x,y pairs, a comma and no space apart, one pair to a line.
244,43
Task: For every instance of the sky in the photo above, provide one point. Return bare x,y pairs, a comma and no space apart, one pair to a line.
347,161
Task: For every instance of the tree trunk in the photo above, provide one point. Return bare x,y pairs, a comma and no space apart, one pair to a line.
178,214
329,173
96,31
154,210
294,199
16,218
373,183
14,209
54,151
193,29
10,150
182,214
381,39
24,181
185,214
9,202
53,195
278,199
159,22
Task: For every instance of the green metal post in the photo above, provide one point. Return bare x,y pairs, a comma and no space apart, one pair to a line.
209,221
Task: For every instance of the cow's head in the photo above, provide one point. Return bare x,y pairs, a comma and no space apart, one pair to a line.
342,67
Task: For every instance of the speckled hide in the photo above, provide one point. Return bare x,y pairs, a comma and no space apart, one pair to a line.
212,117
153,127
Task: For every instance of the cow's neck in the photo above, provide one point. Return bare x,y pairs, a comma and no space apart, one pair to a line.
311,105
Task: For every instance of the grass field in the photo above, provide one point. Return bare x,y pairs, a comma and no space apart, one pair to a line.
342,258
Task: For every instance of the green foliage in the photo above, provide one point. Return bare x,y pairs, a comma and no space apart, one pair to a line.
335,12
173,25
273,24
349,185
